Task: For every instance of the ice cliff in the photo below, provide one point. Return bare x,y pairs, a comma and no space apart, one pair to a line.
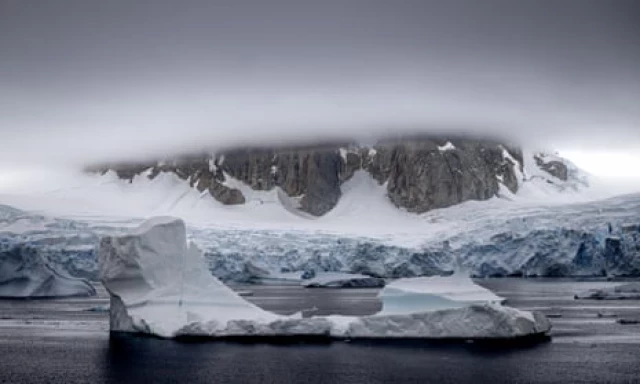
24,273
495,238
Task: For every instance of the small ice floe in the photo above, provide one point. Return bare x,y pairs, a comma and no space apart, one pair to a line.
626,321
630,291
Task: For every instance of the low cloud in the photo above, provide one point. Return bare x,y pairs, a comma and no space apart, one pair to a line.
85,83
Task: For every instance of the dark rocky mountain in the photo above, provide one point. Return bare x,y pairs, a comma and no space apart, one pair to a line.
420,174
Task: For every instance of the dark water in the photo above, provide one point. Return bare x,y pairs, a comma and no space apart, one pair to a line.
59,342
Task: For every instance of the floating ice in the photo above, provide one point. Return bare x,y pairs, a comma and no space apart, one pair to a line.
343,280
630,291
416,294
159,285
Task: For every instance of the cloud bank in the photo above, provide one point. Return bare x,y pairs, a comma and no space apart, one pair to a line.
88,81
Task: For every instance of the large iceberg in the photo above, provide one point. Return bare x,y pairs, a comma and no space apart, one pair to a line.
159,285
25,274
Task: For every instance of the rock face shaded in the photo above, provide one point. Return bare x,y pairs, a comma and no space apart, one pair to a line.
420,173
423,176
553,167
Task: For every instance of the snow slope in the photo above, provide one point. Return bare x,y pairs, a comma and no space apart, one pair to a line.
543,230
363,208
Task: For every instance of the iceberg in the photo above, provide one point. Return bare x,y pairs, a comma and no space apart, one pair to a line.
410,295
630,291
159,285
343,280
25,274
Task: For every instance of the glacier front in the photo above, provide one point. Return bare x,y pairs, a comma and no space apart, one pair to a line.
159,285
25,274
489,239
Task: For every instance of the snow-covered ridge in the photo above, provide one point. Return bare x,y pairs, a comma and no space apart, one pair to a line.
362,204
419,174
546,233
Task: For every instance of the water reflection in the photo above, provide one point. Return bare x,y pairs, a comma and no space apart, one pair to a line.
139,359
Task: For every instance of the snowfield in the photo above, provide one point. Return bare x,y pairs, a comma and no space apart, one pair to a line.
158,285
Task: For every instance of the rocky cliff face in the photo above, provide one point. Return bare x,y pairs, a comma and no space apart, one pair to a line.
420,173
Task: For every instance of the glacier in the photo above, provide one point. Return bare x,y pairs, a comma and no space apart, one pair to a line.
550,228
26,273
158,285
495,238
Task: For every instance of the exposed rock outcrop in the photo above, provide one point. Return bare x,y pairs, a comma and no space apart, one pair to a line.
424,175
553,167
420,173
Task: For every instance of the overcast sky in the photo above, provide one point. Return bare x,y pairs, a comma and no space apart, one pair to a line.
88,80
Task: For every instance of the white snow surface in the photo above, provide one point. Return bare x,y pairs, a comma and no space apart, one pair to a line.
159,285
447,147
363,209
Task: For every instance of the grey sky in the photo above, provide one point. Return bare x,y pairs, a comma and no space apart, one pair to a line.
87,80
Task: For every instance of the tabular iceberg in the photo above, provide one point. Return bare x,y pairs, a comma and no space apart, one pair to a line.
159,285
25,274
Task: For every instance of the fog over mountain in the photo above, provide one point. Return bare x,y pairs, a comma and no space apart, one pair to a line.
85,81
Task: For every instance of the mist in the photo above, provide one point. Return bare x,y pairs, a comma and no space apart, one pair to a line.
84,82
